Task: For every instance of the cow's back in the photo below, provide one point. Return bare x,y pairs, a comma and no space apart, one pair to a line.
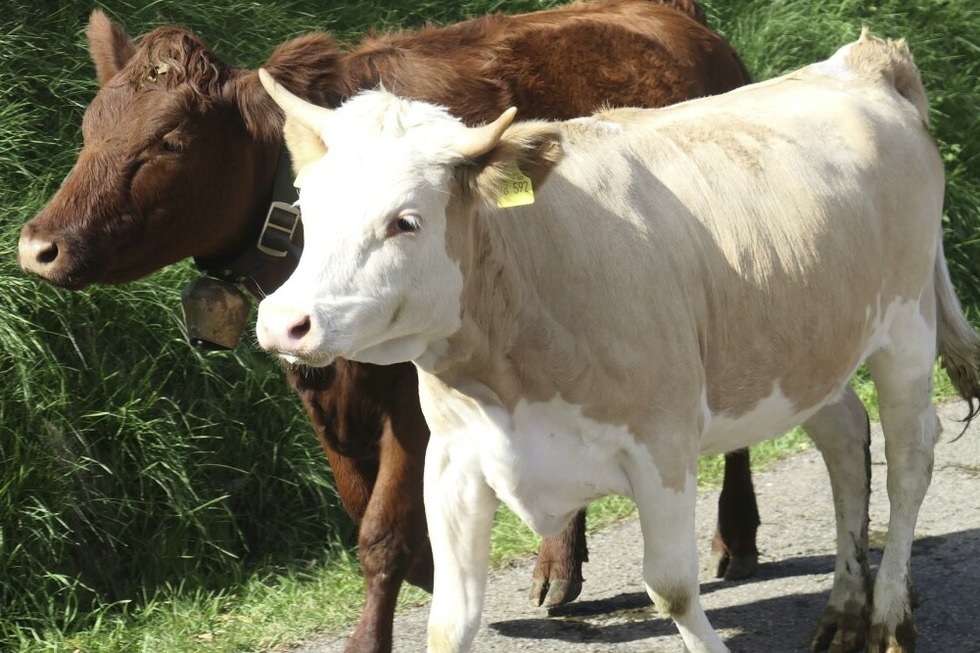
534,61
710,224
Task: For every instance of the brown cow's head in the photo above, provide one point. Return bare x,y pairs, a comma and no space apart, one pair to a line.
178,157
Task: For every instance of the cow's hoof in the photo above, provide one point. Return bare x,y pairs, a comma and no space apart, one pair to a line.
901,641
741,566
365,640
552,593
732,567
718,563
839,632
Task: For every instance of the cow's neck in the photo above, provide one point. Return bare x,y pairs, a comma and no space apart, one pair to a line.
508,341
272,254
276,241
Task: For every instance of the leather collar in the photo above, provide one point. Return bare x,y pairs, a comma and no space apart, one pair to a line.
275,244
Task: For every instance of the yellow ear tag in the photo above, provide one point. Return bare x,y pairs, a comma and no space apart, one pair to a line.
517,191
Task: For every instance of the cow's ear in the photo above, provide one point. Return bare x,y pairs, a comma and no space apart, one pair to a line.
532,148
308,65
108,45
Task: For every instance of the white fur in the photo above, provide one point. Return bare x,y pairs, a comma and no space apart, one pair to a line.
547,460
544,460
902,369
772,416
598,125
836,66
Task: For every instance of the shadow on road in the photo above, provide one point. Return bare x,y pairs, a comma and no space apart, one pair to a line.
946,570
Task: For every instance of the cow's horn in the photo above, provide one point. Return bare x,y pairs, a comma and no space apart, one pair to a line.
307,113
480,140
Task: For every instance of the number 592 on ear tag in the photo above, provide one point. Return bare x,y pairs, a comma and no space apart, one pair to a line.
517,191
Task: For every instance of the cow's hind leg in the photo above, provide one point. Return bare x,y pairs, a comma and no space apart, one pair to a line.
902,372
841,432
670,556
734,554
558,572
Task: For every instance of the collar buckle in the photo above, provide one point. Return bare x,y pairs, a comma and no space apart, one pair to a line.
276,236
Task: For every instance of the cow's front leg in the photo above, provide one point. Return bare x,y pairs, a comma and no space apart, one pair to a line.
459,506
841,432
670,552
558,572
392,541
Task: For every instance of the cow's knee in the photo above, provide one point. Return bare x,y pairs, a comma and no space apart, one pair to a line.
385,549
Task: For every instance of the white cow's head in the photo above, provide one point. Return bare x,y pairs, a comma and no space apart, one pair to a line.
376,282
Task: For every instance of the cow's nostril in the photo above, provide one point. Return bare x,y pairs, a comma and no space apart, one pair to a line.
39,255
300,329
47,254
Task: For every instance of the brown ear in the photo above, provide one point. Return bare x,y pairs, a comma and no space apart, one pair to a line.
532,147
308,66
109,46
689,7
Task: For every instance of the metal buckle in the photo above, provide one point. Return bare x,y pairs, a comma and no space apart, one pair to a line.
279,222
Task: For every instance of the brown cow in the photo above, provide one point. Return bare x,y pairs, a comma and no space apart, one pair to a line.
180,160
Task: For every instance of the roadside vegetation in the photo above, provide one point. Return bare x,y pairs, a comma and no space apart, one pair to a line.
154,498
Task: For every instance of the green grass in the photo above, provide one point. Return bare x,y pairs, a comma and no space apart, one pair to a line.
269,609
280,606
156,499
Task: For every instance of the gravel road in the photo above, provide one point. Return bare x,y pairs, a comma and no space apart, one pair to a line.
775,611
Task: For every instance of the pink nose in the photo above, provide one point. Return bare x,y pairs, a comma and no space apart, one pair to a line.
282,329
36,255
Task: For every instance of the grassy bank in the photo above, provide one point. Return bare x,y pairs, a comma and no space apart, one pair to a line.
154,498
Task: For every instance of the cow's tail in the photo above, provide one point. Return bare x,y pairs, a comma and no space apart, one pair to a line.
959,345
892,62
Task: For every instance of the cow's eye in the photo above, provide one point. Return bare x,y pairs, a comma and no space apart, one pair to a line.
172,145
404,223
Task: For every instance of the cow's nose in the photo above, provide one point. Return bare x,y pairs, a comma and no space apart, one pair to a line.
283,329
37,254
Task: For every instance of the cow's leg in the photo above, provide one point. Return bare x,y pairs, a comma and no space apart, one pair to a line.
459,506
558,572
842,433
733,550
369,423
392,541
355,480
902,372
670,554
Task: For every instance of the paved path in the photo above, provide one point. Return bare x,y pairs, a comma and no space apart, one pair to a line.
775,611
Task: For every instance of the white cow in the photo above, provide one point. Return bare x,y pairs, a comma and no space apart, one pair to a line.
684,281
